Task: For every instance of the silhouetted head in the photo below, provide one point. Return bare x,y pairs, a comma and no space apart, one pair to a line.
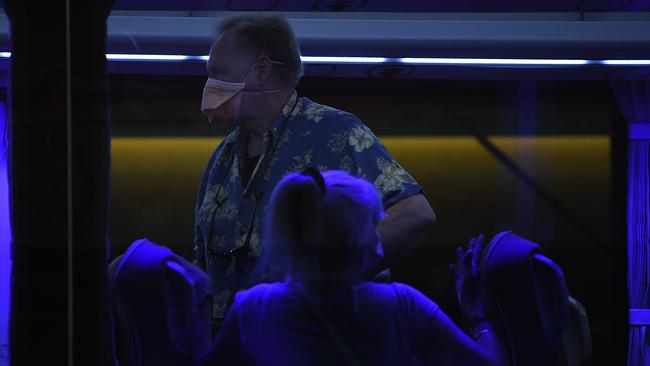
320,227
253,58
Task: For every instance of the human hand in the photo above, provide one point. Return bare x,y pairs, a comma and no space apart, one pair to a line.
466,275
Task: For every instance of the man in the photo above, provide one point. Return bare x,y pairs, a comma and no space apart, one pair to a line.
253,68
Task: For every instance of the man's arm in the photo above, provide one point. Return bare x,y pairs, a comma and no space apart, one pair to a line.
407,223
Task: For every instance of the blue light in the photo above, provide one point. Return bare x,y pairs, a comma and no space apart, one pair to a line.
428,61
5,243
344,60
627,62
493,61
136,57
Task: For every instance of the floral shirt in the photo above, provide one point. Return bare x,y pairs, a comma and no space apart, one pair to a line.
306,134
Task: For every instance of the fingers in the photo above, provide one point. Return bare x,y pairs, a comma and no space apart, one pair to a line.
478,247
479,242
468,260
464,259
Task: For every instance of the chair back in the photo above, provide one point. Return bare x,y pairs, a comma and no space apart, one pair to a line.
160,306
527,299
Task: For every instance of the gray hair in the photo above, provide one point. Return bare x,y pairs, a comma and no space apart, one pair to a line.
270,35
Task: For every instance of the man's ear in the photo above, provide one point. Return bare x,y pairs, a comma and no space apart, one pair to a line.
264,66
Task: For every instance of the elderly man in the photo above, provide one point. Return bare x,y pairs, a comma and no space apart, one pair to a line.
253,70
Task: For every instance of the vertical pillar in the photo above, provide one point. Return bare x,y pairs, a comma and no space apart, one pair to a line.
618,303
59,181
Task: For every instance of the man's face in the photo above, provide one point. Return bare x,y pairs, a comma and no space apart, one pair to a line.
226,63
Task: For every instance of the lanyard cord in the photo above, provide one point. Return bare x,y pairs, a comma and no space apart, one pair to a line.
245,248
257,178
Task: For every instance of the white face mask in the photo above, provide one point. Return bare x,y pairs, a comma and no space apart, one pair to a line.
216,92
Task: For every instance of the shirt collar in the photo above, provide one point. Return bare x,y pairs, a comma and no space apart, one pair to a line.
293,103
289,111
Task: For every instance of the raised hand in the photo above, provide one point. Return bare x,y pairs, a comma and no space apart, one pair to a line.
466,275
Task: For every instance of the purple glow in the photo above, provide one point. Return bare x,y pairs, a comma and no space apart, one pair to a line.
5,240
634,101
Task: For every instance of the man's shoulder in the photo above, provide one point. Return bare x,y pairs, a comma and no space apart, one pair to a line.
325,116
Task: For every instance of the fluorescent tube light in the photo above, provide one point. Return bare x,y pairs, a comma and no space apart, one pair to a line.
432,61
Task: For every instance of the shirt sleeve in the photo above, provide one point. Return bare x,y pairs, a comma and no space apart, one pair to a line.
417,310
227,348
353,148
439,341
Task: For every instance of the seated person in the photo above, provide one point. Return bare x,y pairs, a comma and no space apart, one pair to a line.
320,230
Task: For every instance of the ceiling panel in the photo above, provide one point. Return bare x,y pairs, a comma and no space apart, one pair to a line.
388,5
589,36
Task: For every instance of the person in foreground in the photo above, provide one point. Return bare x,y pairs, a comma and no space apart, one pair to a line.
320,229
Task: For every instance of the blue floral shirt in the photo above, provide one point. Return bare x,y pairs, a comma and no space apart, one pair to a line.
305,134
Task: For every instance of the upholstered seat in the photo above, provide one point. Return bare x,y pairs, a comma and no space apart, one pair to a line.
161,307
529,302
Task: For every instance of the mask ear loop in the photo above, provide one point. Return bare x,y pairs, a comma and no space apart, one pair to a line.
241,93
263,91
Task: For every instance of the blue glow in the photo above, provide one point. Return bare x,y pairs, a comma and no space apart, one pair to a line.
5,244
627,62
492,61
344,60
136,57
430,61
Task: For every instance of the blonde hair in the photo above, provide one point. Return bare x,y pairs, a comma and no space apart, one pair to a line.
320,233
270,35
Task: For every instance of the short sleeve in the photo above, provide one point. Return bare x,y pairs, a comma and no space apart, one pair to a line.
416,308
438,341
227,347
354,149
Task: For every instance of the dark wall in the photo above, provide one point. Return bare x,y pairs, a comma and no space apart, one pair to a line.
453,136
